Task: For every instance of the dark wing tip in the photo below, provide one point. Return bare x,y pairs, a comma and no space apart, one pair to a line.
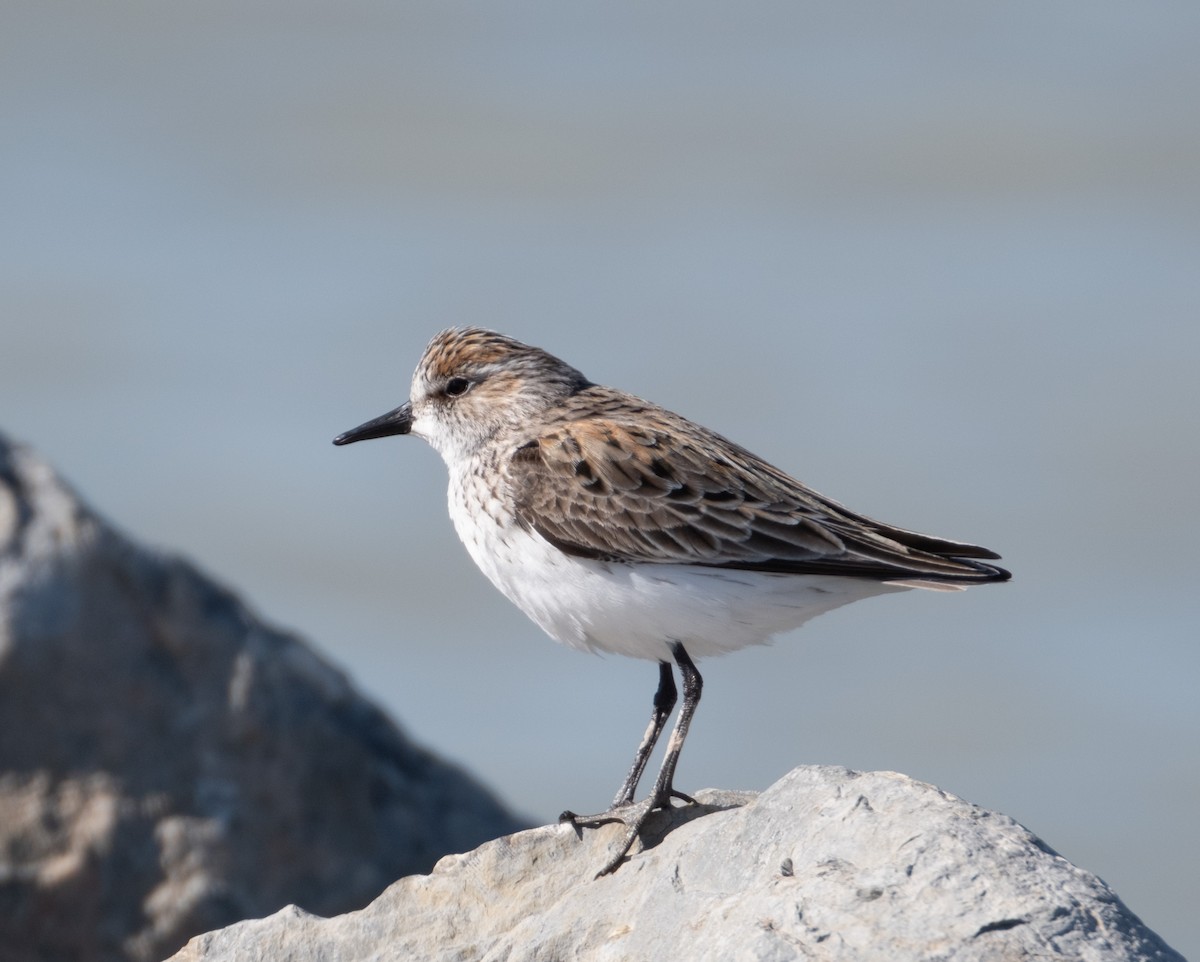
977,572
993,572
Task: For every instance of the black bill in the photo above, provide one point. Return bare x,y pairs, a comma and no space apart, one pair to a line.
398,421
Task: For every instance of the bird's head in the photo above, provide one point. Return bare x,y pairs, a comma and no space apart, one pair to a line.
470,386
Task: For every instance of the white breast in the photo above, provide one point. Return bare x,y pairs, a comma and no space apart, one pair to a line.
637,609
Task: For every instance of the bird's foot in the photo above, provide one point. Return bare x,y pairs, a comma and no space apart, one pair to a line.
632,816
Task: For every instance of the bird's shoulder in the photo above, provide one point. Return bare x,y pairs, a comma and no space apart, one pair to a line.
606,442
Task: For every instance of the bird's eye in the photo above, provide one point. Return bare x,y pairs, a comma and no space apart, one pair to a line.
457,386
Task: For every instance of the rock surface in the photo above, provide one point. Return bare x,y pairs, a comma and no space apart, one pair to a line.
825,865
169,764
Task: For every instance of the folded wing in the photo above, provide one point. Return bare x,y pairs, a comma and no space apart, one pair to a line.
660,489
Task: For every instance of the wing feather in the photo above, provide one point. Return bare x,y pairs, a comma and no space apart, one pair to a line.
622,487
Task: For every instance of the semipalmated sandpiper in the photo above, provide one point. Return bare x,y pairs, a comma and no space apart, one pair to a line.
618,526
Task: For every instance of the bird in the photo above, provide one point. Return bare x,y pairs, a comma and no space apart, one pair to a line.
619,526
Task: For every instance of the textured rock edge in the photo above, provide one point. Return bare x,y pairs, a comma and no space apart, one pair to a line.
826,864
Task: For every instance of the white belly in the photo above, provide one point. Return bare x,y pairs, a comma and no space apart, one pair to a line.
640,609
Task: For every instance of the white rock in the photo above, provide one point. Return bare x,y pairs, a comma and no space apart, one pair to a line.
825,865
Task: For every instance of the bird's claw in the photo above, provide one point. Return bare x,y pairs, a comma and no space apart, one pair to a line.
633,817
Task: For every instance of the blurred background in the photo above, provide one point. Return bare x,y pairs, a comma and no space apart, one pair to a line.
940,262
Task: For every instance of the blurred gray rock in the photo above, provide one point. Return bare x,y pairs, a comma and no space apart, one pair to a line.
825,865
169,764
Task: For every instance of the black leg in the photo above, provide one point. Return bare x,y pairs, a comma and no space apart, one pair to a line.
664,703
693,685
634,816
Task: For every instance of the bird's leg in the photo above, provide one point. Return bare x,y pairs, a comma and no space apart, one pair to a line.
634,816
664,703
693,685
